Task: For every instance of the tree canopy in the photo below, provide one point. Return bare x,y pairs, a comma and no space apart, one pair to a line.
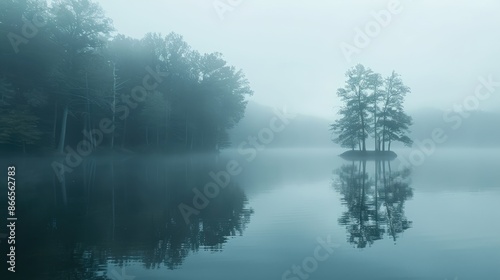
372,107
63,72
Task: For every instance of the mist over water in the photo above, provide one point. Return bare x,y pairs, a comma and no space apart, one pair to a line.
233,139
123,213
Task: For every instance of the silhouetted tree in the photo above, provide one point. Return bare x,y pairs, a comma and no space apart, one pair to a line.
356,94
78,29
372,106
394,122
71,74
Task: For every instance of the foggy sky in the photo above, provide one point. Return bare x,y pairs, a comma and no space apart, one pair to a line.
291,54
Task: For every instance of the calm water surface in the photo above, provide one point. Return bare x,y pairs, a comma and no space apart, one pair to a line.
120,218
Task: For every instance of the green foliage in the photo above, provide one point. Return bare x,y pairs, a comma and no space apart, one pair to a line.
348,129
395,123
372,107
73,74
19,126
353,125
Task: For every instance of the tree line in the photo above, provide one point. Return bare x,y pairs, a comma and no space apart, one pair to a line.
372,107
63,74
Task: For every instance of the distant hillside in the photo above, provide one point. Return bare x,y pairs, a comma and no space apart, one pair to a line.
302,131
481,129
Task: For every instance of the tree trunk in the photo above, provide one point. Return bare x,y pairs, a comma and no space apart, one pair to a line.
384,127
375,120
383,137
363,136
62,137
376,191
113,106
363,128
88,120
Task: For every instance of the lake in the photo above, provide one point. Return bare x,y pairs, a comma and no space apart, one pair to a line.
279,214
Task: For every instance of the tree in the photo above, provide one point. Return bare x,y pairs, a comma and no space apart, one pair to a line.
128,59
395,123
19,125
79,28
152,116
71,67
372,107
224,90
347,129
356,95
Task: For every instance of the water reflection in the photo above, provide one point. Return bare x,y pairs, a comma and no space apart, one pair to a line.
112,212
374,201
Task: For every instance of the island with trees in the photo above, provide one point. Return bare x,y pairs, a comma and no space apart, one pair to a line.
372,108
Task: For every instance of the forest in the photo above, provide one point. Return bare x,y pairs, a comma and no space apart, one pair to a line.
69,82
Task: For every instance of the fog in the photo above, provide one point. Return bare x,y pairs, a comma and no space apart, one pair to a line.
291,51
249,139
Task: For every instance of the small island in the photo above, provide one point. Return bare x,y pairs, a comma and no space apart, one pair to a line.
372,108
356,155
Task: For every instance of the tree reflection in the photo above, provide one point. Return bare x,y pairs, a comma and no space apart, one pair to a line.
149,215
112,212
375,204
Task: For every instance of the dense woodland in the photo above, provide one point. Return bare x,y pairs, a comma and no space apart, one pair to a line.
66,77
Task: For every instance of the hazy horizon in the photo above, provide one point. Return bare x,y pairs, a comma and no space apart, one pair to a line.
293,57
360,140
